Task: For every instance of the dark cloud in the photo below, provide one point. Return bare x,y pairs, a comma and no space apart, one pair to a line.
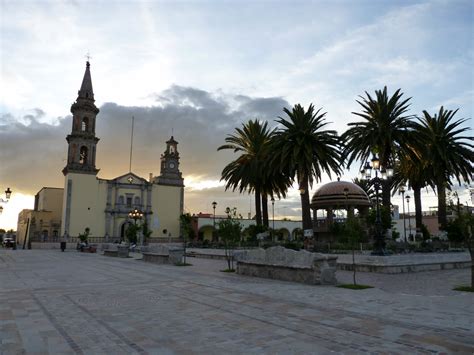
32,154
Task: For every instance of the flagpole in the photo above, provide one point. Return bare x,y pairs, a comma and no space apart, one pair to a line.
131,146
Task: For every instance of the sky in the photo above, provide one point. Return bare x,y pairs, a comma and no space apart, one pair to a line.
199,69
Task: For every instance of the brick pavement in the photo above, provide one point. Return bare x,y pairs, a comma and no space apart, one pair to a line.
75,303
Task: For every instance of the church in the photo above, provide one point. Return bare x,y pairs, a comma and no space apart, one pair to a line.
104,205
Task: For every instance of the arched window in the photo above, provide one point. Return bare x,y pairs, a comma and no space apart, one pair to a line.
137,201
85,124
83,155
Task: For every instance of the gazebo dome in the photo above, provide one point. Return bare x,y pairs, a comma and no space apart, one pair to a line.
331,195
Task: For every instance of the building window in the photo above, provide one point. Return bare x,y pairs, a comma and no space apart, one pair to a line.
137,201
129,202
85,124
120,200
83,155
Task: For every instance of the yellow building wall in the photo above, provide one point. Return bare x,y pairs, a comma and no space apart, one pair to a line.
87,200
23,217
51,199
167,207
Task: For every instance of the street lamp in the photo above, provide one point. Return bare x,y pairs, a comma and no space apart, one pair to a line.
8,194
409,217
346,195
385,173
402,191
214,204
273,216
136,214
455,194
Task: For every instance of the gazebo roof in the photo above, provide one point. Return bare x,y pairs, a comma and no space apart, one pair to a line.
332,195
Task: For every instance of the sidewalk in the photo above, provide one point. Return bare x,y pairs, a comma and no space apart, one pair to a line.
80,303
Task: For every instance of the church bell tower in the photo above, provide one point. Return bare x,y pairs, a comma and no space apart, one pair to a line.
169,172
82,141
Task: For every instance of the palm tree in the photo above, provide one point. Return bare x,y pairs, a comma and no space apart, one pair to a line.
412,169
383,131
449,153
274,184
368,188
247,171
302,149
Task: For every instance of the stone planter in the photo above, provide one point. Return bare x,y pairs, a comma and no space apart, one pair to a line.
122,251
288,265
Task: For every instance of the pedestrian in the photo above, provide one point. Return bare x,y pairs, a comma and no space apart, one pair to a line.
63,242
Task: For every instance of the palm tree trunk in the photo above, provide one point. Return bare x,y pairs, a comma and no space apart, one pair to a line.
418,212
265,209
442,220
258,208
305,209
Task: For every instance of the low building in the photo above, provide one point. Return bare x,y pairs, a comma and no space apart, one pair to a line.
204,225
43,223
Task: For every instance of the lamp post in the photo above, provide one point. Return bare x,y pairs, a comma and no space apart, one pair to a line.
409,217
402,191
214,204
346,195
273,217
455,194
8,194
385,173
135,214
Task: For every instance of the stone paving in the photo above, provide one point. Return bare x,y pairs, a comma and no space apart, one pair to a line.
78,303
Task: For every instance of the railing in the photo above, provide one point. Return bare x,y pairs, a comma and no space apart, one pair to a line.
98,240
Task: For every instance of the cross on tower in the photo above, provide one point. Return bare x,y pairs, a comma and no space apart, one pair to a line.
88,56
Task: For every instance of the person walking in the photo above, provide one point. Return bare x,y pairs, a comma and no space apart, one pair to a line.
63,242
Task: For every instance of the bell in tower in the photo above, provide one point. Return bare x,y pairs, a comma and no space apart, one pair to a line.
169,172
82,141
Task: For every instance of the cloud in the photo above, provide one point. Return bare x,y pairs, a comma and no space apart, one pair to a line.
33,153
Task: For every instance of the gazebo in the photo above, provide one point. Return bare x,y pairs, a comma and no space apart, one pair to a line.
337,195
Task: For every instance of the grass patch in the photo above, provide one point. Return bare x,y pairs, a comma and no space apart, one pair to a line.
354,287
464,288
227,270
183,264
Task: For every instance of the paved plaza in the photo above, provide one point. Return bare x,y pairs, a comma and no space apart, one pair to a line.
78,303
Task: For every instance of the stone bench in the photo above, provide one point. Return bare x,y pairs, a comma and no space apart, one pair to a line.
110,252
288,265
113,249
156,258
162,254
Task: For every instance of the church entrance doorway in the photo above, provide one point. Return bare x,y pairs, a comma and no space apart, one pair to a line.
123,231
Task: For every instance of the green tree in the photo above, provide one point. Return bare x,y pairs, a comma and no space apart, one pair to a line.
229,231
355,233
83,236
304,150
449,152
383,131
412,169
132,233
247,171
146,232
462,230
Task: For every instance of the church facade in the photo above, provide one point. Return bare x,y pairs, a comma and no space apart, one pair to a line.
104,205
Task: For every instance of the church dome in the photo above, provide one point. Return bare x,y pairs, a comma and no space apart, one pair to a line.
332,195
